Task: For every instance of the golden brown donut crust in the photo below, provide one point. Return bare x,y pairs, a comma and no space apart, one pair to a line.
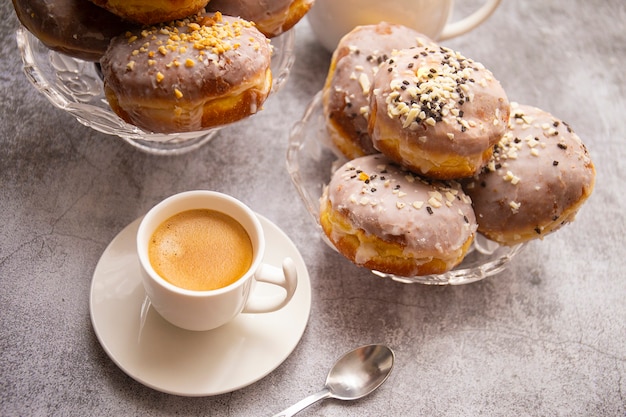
148,12
538,178
437,112
194,74
387,219
76,28
346,92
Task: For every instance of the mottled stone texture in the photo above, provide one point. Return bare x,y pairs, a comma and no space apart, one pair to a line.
547,337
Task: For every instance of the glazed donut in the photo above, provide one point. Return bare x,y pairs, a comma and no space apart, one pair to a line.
149,12
194,74
382,217
73,27
347,88
537,179
436,112
272,17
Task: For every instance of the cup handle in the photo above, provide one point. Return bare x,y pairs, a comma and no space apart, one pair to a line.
287,278
468,23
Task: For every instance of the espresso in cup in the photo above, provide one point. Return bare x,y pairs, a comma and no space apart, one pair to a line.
201,254
200,250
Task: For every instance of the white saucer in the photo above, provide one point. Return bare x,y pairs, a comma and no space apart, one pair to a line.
175,361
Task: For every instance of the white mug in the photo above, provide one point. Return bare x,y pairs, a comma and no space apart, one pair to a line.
332,19
206,310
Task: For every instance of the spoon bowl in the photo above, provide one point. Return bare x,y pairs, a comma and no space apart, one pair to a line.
354,375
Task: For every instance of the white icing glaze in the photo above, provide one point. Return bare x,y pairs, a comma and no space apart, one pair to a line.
438,103
272,17
167,78
382,199
348,85
539,172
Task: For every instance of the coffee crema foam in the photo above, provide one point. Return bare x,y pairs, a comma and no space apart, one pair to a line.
200,250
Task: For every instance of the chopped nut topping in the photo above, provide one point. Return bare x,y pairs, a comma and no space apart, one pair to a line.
432,93
203,33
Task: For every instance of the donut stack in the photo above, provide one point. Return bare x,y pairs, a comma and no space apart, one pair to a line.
170,66
437,153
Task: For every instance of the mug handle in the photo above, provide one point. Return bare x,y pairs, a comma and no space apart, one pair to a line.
287,278
468,23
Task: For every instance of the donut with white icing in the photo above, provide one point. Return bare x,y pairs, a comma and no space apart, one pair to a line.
385,218
193,74
437,112
539,176
272,17
346,92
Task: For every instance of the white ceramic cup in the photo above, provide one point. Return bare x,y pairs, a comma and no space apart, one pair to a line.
206,310
332,19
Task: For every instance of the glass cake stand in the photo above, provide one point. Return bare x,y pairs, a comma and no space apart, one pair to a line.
311,160
76,86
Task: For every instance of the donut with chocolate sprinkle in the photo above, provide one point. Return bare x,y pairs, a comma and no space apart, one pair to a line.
346,92
539,176
437,112
385,218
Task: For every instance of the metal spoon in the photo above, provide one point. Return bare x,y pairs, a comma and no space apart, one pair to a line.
355,375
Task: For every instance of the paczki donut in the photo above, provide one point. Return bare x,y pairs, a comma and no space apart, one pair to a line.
193,74
382,217
76,28
149,12
272,17
538,178
436,112
346,92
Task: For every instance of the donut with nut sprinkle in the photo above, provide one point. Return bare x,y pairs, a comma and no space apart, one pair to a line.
188,75
437,112
388,219
537,179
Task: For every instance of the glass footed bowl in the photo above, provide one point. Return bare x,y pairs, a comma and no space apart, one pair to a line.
75,86
311,160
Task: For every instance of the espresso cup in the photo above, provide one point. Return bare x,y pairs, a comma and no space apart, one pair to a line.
186,304
330,20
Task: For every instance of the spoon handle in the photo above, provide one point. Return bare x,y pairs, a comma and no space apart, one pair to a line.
304,403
